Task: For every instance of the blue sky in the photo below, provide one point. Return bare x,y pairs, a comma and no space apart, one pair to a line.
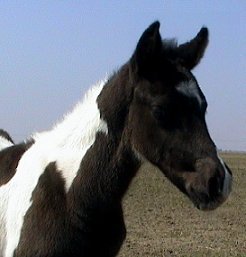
51,52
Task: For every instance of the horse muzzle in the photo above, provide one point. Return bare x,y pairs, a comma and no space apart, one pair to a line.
214,189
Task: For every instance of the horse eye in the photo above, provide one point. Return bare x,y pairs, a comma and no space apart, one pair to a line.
166,118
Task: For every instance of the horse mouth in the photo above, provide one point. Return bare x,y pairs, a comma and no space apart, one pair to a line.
208,202
208,205
216,191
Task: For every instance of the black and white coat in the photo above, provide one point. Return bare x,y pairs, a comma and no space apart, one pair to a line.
61,191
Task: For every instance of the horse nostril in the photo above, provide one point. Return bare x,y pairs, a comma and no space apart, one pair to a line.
214,187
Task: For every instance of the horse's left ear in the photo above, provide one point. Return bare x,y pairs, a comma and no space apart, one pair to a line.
192,52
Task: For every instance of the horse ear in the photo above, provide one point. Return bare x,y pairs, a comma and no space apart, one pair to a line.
148,50
192,52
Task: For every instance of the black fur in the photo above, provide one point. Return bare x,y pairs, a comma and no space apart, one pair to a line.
148,119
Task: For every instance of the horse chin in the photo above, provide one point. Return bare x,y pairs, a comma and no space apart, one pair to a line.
209,205
214,201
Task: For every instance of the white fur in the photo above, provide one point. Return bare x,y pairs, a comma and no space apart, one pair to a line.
190,89
227,180
66,144
4,143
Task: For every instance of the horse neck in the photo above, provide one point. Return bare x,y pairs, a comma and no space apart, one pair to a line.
115,99
110,164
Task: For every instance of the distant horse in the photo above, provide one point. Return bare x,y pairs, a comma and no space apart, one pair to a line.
63,195
5,139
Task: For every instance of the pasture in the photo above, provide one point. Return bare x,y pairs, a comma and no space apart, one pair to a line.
163,222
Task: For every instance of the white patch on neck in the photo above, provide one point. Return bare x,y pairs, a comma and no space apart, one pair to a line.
190,89
66,144
4,143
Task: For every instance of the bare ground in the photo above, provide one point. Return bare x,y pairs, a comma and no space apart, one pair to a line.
163,222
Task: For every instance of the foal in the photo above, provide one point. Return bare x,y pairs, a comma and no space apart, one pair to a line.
64,196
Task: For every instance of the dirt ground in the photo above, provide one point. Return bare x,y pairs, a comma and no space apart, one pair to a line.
163,222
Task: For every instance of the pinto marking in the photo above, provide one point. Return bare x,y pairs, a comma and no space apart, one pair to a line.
63,145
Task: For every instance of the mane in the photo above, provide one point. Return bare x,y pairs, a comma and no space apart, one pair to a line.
169,47
77,128
170,43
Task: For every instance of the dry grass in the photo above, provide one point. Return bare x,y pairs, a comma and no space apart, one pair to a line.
162,222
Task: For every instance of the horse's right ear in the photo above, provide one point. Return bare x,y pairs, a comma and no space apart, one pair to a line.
148,51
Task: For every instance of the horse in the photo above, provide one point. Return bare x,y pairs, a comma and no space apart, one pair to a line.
5,139
63,194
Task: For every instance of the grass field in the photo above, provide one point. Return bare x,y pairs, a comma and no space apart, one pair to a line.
163,222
